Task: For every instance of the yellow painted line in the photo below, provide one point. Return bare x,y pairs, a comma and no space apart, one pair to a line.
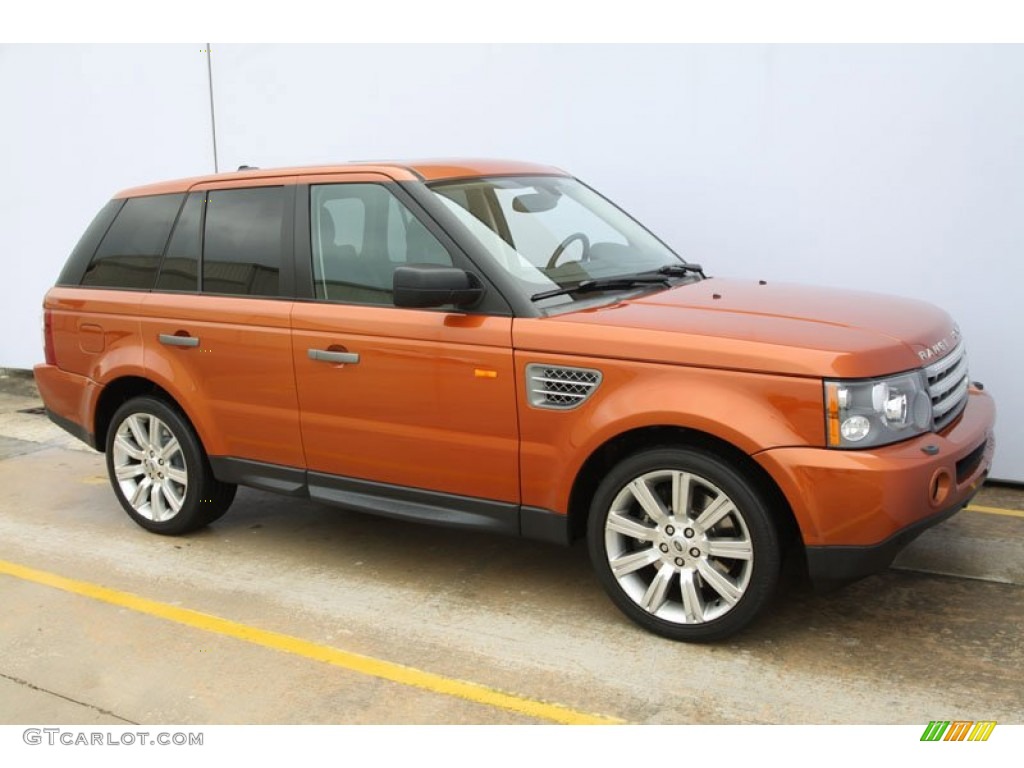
995,510
352,662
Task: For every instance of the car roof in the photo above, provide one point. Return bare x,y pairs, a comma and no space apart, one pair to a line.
409,170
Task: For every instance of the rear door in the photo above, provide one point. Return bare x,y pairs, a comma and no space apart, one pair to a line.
216,328
393,397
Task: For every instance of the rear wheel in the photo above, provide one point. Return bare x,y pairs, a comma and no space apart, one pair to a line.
683,543
159,470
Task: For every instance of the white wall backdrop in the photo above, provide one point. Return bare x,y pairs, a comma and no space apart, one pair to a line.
896,169
78,124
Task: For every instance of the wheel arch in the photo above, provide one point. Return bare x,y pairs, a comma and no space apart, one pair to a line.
614,450
171,488
121,390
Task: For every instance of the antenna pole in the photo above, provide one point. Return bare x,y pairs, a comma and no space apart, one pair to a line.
213,119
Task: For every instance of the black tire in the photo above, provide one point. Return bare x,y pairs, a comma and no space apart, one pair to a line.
163,469
700,579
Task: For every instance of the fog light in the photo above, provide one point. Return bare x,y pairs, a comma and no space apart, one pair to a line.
856,428
942,482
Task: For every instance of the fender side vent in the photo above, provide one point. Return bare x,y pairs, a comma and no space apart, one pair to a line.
560,388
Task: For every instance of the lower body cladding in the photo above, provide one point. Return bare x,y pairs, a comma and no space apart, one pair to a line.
395,501
857,509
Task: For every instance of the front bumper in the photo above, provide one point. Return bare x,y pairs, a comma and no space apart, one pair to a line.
857,509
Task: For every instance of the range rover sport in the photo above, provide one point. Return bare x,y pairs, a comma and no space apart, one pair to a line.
494,345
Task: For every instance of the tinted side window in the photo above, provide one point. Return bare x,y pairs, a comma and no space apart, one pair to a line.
79,259
180,268
129,255
360,233
243,243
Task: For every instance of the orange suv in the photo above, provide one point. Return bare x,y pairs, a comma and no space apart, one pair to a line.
495,345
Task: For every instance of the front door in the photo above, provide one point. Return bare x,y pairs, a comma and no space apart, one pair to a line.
398,400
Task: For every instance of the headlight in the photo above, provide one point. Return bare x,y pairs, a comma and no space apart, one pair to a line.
870,412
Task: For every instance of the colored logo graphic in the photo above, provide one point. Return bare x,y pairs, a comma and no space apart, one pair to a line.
958,730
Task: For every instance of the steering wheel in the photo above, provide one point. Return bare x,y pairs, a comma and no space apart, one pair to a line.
565,244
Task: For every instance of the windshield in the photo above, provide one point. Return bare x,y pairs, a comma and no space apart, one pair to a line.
552,232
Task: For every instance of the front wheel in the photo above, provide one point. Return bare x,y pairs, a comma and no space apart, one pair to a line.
683,543
159,470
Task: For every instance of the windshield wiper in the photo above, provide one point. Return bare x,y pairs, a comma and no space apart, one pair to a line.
679,270
660,275
604,284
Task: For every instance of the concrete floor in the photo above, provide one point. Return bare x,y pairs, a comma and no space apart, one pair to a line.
937,636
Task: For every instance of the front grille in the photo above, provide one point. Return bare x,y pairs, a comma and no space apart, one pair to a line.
559,387
947,386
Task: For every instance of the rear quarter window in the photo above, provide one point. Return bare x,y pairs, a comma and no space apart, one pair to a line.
80,257
129,254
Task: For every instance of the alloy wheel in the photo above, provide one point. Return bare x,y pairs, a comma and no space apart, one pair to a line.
149,466
678,546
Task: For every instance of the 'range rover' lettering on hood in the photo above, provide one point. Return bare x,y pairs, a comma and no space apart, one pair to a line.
941,347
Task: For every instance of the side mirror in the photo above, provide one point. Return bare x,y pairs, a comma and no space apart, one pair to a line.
433,285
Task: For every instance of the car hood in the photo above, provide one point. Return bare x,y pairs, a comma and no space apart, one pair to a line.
752,325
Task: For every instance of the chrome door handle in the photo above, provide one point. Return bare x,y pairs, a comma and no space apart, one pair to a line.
327,356
178,341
